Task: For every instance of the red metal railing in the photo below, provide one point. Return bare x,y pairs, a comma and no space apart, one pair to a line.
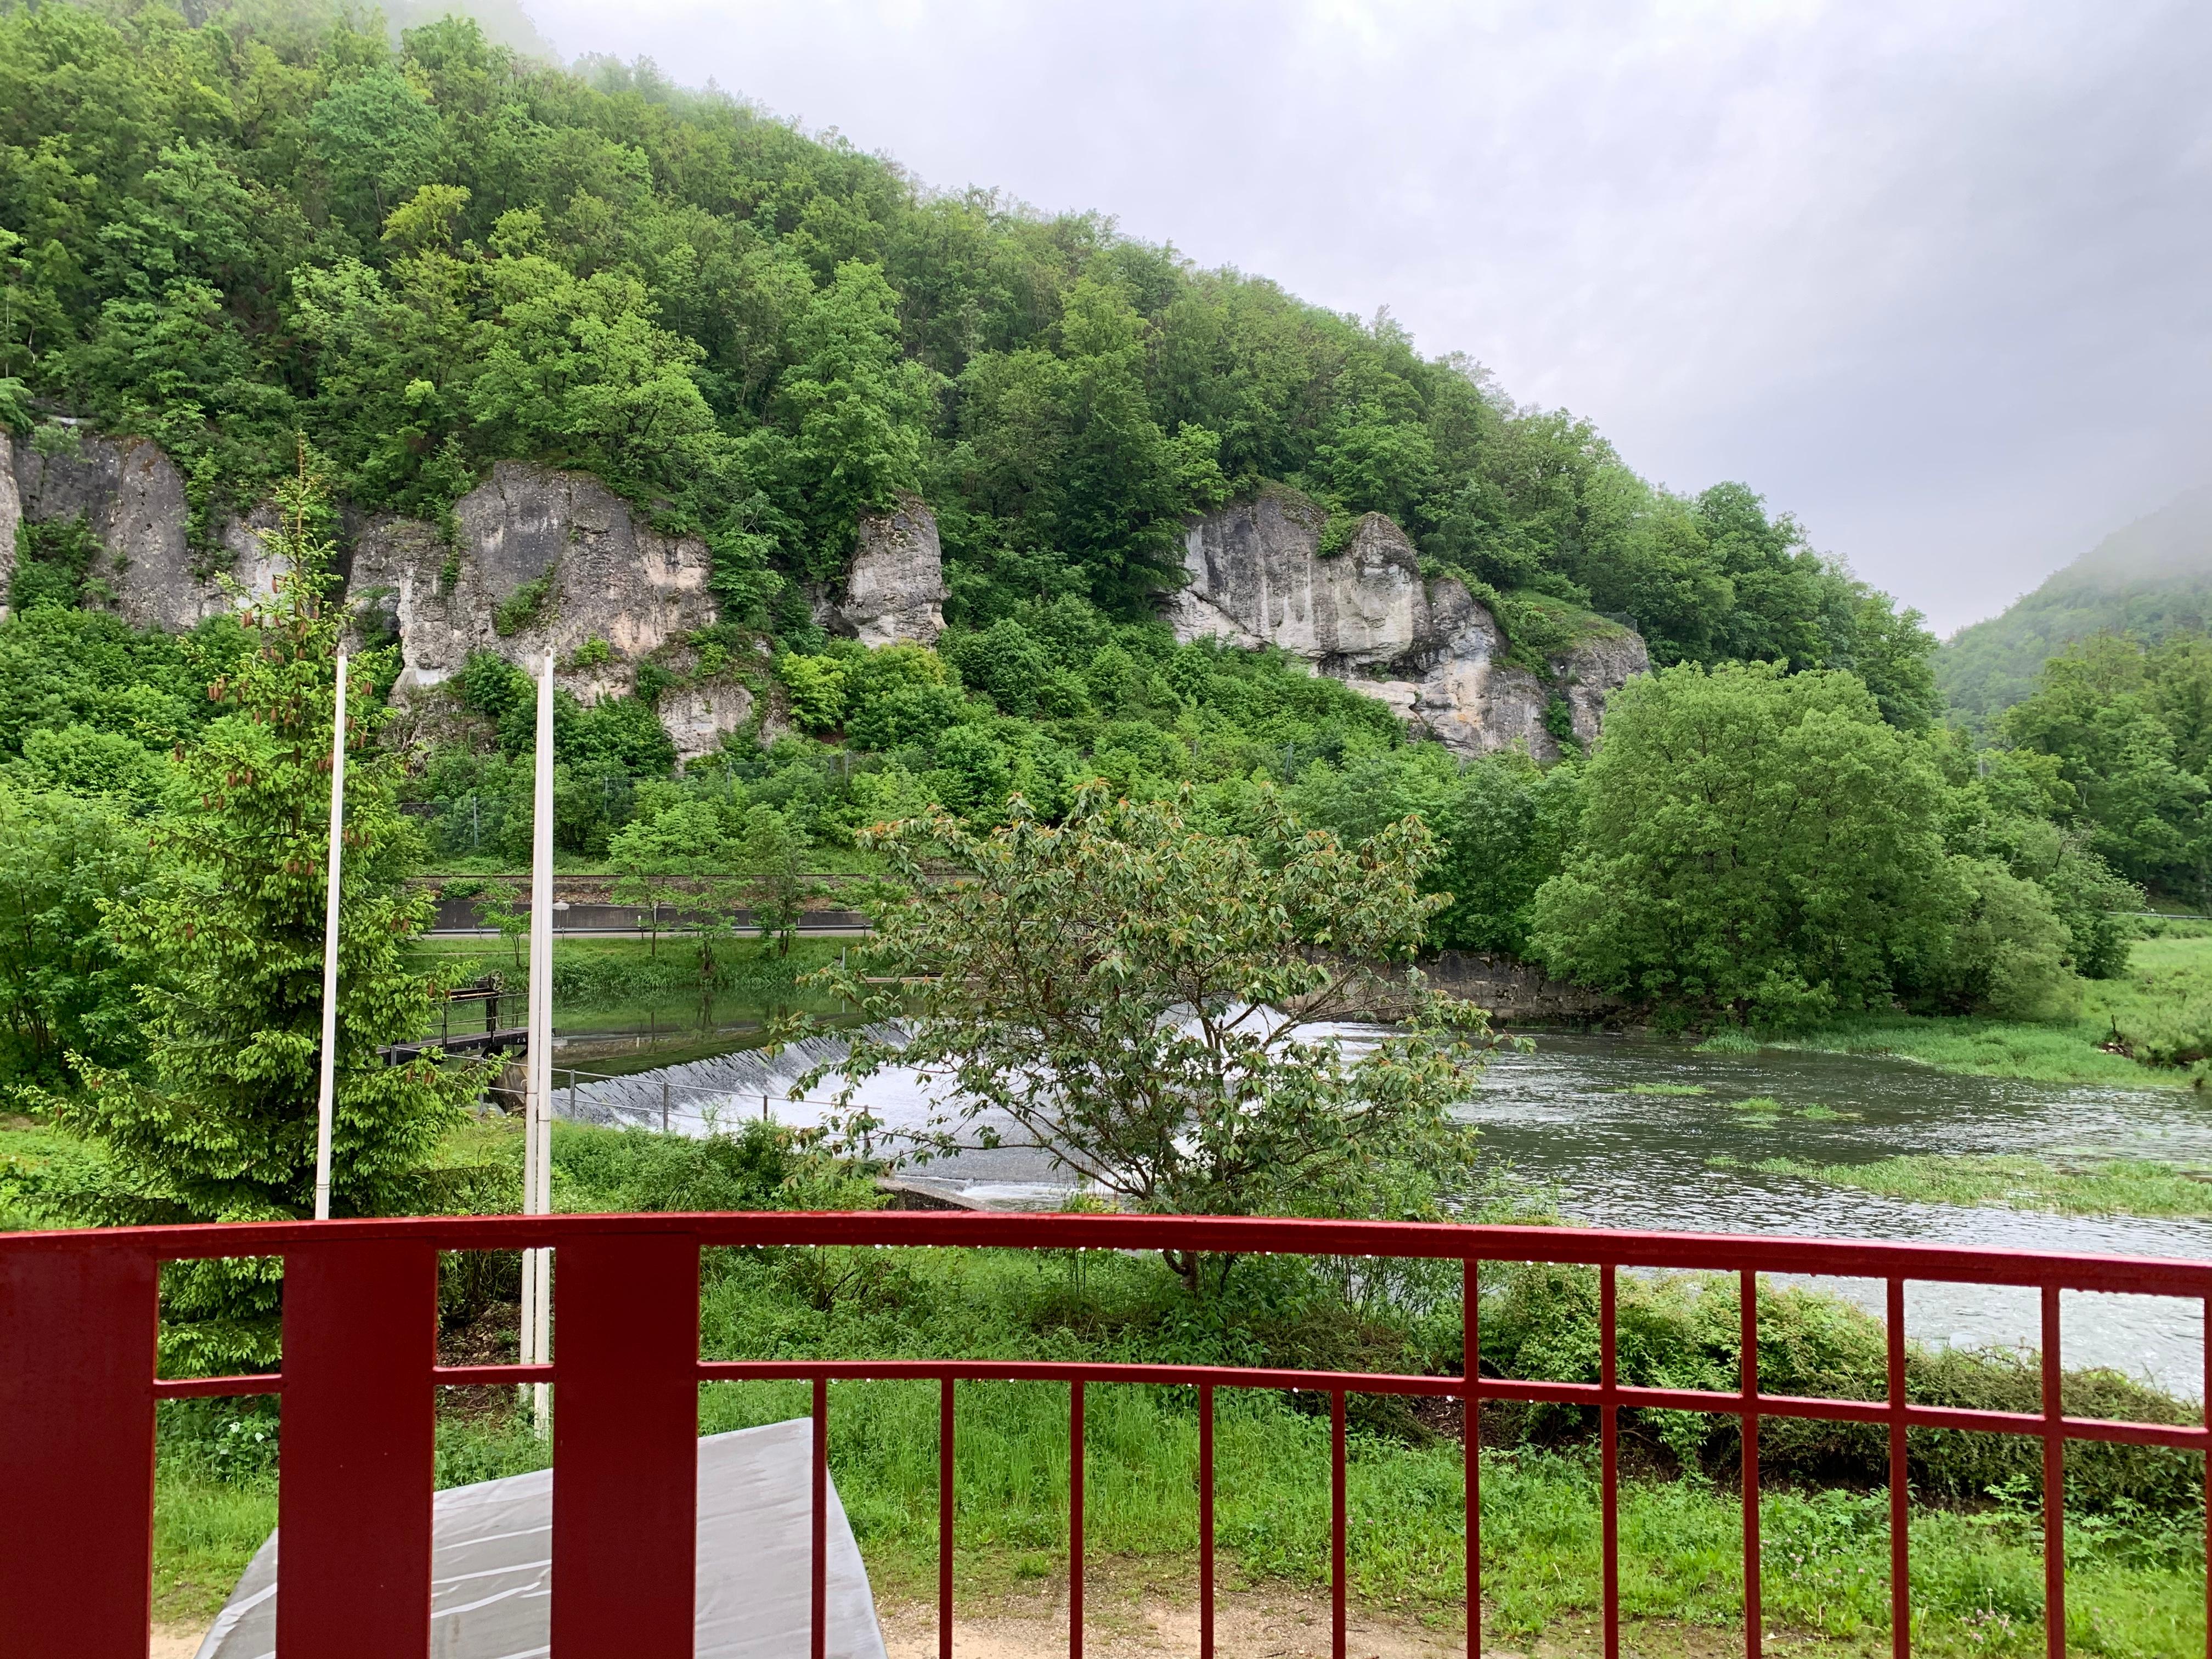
77,1388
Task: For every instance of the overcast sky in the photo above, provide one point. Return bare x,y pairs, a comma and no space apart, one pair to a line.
1934,277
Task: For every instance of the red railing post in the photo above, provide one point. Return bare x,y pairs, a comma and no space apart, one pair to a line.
944,1425
1901,1496
1337,1520
1748,1375
2205,1331
1470,1428
1609,1413
2054,1485
1075,1520
1900,1491
1205,1521
356,1459
78,1327
625,1445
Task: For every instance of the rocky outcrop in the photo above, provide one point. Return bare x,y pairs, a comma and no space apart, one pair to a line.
535,559
11,520
541,560
895,589
698,715
1257,576
132,497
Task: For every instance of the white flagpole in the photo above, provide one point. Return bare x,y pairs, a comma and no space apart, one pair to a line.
538,1126
326,1103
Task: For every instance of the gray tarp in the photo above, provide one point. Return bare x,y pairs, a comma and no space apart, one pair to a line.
491,1566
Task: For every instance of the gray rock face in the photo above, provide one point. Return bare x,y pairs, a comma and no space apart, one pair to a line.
546,561
11,518
895,589
1365,616
133,498
1257,577
697,715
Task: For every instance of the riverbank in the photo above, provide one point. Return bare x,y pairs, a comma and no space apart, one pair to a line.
2151,1026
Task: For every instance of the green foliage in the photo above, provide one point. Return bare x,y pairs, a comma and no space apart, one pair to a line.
524,608
1755,842
817,689
1503,825
1685,1331
2129,730
225,938
1109,987
752,1166
65,989
56,565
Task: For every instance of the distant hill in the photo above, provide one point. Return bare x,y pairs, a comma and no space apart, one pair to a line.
2152,579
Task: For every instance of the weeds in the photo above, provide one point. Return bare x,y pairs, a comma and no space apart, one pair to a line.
2095,1187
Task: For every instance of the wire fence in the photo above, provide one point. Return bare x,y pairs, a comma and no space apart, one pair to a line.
699,1096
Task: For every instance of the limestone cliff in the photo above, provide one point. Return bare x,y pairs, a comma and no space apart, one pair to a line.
539,559
11,518
131,497
895,588
1257,576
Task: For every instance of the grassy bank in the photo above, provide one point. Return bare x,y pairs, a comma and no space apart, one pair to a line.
2090,1187
2152,1026
2133,1542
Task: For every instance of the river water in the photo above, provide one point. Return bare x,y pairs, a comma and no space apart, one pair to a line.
1564,1118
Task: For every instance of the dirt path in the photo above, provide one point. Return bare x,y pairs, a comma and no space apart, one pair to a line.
1130,1618
1127,1617
1267,1624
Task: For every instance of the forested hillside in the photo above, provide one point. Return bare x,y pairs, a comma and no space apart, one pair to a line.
431,258
375,281
2151,579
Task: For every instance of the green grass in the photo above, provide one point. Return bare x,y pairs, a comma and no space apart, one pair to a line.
2136,1583
2151,1025
1683,1089
2101,1186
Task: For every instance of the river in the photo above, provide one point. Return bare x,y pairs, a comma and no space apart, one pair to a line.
1564,1118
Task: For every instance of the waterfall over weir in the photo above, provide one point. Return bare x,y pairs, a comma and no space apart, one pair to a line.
702,1096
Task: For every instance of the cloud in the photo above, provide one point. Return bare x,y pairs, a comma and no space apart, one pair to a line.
1933,277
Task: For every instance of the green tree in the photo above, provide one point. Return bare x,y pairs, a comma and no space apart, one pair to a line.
2096,712
1753,843
222,1125
66,990
772,857
659,858
1139,999
850,413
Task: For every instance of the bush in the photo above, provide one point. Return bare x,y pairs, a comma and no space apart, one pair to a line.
2006,954
761,1166
1006,663
1682,1331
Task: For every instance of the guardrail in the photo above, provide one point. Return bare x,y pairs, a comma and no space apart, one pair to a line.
78,1318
